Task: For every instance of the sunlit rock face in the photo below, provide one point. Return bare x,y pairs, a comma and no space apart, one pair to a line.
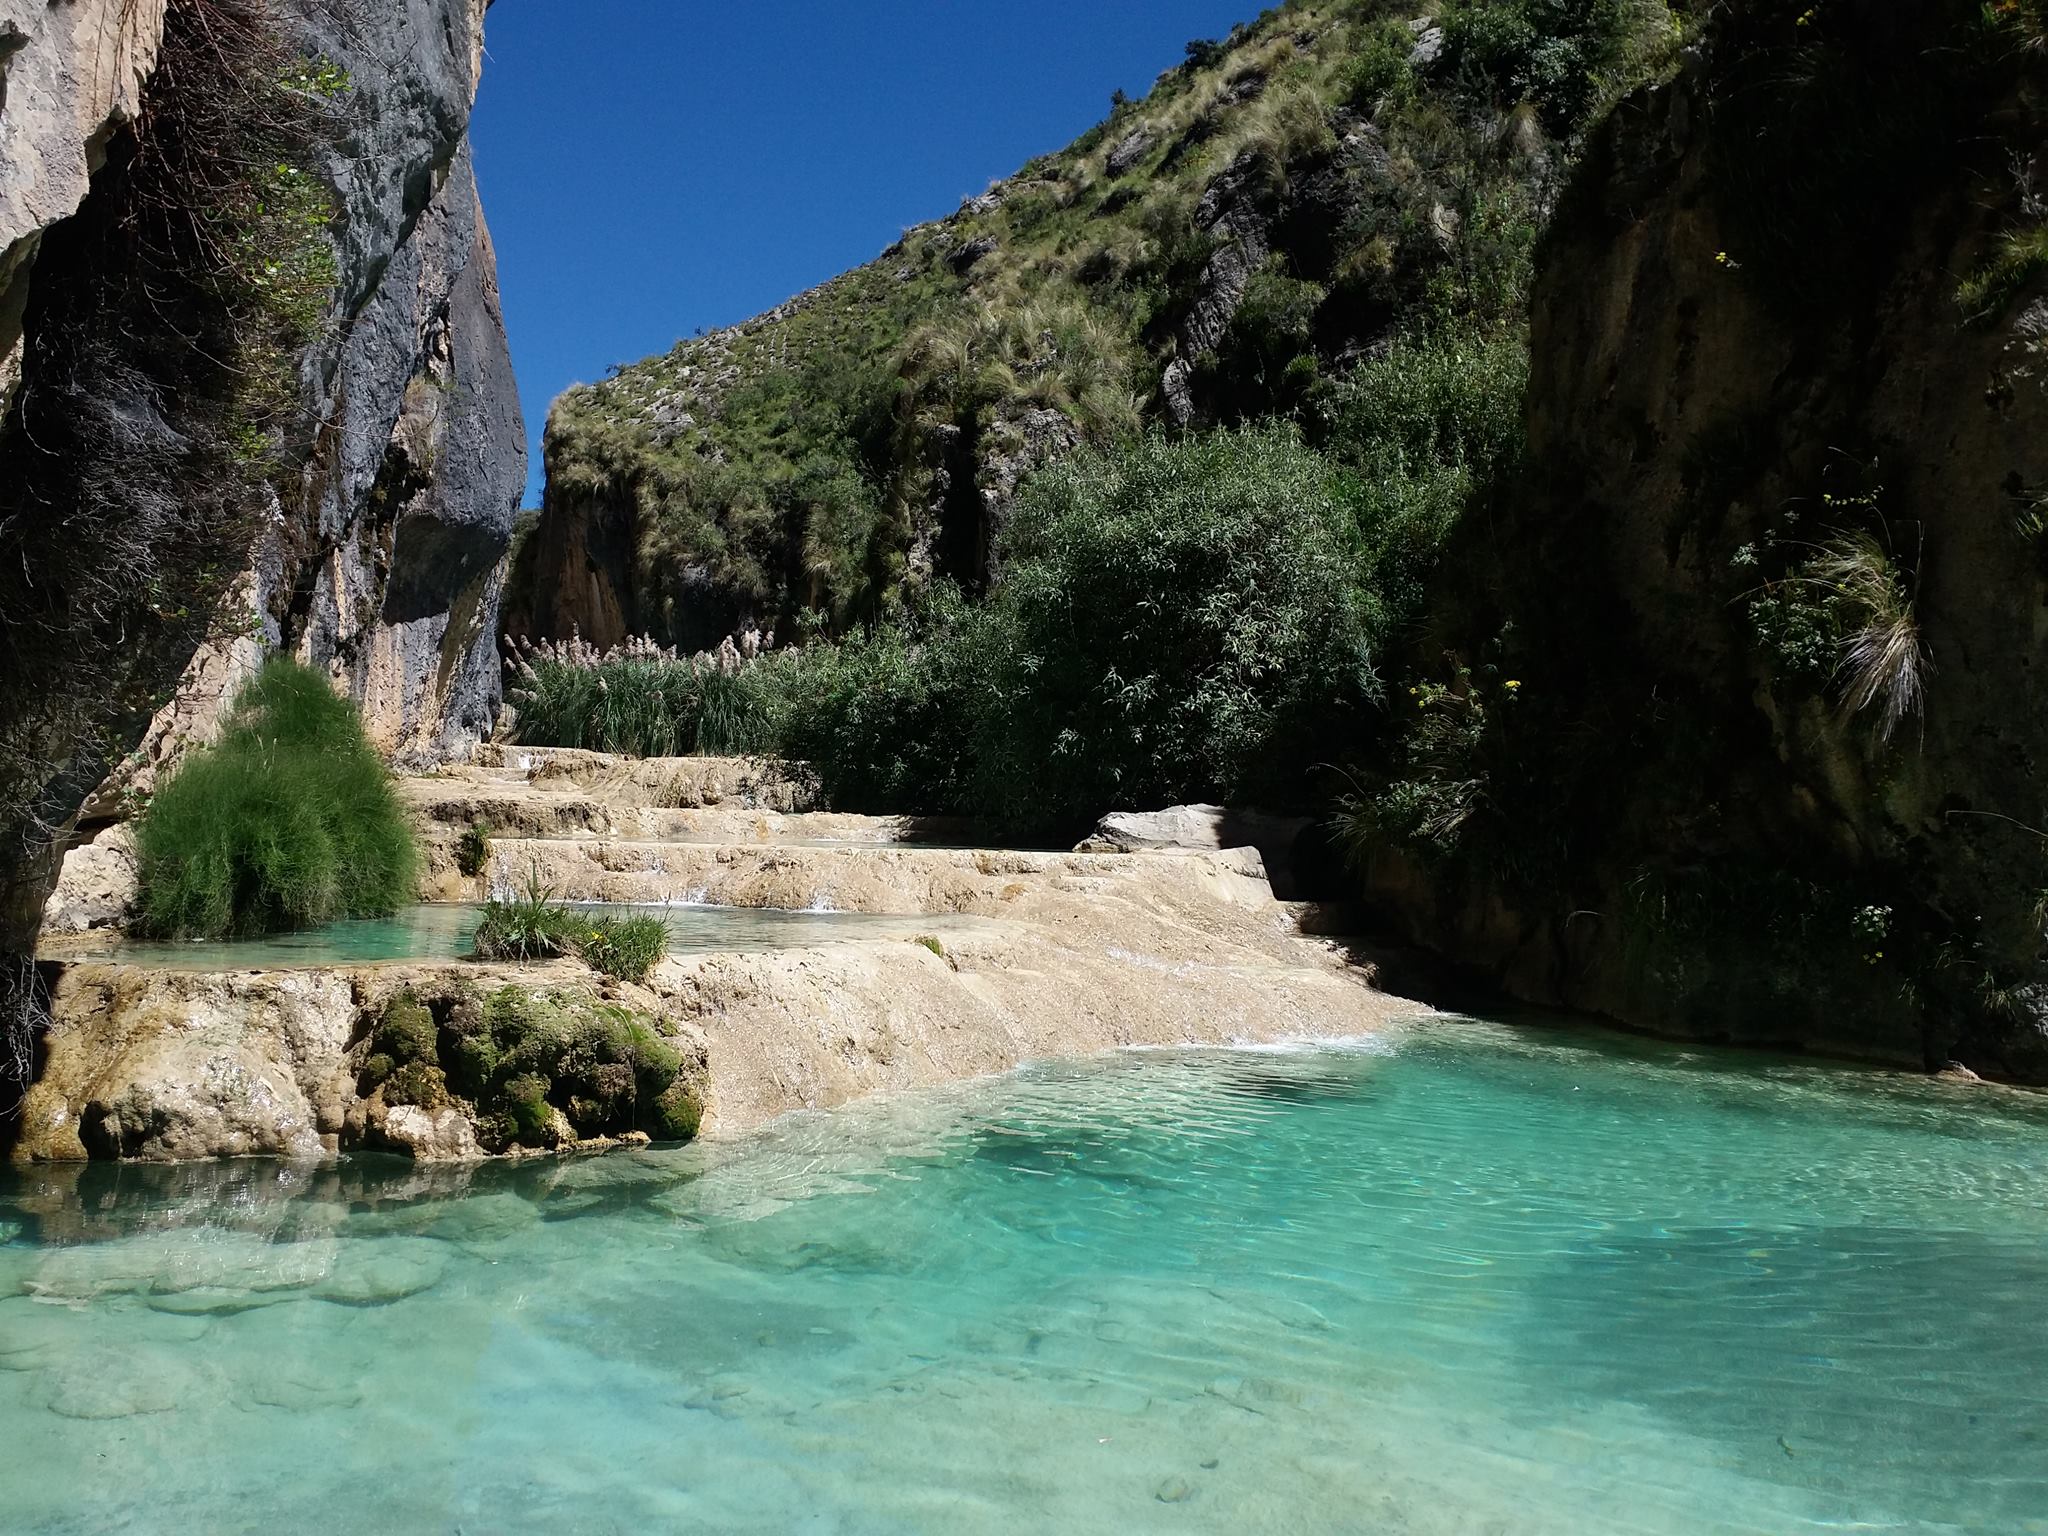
71,76
382,560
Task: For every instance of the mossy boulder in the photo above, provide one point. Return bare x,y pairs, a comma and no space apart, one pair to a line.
528,1052
407,1031
417,1083
677,1113
534,1068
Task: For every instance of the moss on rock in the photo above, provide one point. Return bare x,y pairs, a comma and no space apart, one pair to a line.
407,1033
534,1068
677,1113
417,1083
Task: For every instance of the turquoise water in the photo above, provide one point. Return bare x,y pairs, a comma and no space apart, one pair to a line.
1486,1282
443,931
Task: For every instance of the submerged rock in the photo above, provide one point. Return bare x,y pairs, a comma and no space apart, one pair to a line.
374,1273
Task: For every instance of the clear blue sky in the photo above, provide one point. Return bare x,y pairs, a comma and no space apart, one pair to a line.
650,167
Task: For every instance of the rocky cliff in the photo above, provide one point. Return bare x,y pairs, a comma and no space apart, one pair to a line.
258,389
1734,716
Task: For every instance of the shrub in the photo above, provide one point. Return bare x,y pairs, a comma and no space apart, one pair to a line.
1427,426
535,927
1381,72
624,947
287,822
1177,617
884,716
1555,53
528,927
473,849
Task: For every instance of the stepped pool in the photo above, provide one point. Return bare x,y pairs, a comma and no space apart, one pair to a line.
443,931
1480,1281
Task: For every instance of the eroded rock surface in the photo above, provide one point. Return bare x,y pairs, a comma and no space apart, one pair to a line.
97,887
171,1066
1001,957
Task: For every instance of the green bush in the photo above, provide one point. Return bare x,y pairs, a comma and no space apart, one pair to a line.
535,927
1177,618
289,821
1556,53
624,947
884,716
1433,422
1381,73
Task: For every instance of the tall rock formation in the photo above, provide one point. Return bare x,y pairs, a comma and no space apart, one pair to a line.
372,542
1774,413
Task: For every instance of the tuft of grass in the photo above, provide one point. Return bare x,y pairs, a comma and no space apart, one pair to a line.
535,926
529,927
289,821
2017,258
636,698
623,947
1884,662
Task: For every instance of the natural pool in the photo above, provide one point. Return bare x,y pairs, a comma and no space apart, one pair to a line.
1486,1282
443,931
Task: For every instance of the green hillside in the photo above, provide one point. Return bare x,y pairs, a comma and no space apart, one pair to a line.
1334,182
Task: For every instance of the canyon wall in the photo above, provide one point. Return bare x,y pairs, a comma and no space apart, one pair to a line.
1774,412
160,532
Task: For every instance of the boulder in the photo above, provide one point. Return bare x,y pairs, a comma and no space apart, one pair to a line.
97,887
442,1135
1129,150
1203,828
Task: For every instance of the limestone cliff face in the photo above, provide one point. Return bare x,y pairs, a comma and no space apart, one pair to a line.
380,554
1748,343
393,577
71,76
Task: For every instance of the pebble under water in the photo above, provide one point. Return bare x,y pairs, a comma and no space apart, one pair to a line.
1485,1280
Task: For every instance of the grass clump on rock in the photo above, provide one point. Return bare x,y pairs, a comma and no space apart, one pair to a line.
624,947
530,927
537,927
473,849
288,822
